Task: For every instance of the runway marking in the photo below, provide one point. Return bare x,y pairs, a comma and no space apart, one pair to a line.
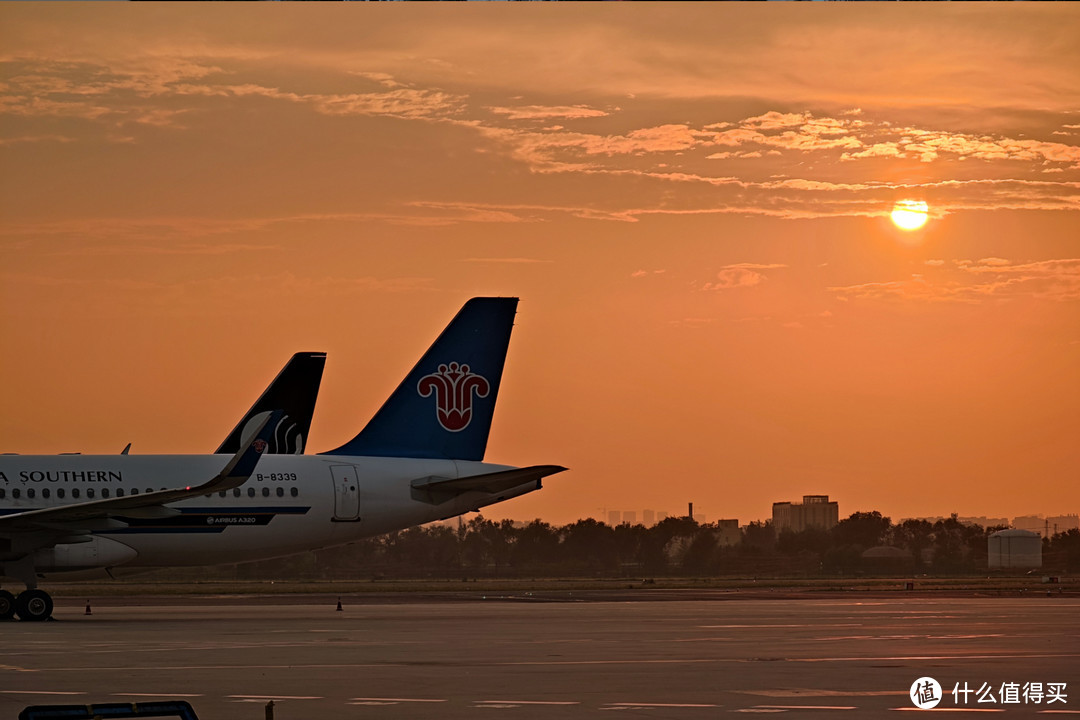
949,709
1059,712
808,692
936,657
530,702
558,663
626,705
40,692
807,707
277,697
157,695
397,700
782,625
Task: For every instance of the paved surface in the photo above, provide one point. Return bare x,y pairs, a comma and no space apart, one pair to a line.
845,656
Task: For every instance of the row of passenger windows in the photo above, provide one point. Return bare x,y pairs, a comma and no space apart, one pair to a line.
46,493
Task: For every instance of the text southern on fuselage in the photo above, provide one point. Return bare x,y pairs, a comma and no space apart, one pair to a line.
65,476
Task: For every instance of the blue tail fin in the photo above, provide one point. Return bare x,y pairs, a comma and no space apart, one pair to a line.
443,407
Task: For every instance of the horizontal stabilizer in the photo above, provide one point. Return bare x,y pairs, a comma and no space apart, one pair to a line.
436,490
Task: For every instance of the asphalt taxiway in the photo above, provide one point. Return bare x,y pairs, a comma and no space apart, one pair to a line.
842,656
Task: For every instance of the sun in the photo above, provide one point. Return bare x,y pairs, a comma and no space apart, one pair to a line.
909,214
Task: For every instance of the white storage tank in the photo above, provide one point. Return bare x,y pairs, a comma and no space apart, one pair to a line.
1014,549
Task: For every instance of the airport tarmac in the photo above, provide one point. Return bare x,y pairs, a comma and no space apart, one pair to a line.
841,656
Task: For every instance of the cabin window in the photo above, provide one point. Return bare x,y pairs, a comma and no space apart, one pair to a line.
281,492
104,492
119,492
223,493
16,493
294,492
266,492
3,493
89,492
30,493
59,493
236,492
251,492
45,493
75,492
134,491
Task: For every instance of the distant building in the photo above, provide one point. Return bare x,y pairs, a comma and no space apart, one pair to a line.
1046,526
815,511
629,516
613,517
648,518
986,522
727,532
1063,523
1014,549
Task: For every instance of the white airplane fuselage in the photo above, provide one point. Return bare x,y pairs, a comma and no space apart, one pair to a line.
290,504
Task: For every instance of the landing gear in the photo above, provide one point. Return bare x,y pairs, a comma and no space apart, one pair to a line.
34,605
7,605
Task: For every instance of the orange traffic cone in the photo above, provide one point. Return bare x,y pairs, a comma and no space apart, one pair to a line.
88,609
339,604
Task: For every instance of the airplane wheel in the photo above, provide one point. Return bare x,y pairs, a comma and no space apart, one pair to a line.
7,605
34,605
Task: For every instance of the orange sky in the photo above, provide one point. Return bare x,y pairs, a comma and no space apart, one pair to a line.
691,201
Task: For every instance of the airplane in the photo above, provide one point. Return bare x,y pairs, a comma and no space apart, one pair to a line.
294,391
419,459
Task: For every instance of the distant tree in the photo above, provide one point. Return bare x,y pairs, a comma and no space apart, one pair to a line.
843,560
815,541
589,545
629,540
915,536
698,558
488,543
865,529
1064,550
537,547
758,537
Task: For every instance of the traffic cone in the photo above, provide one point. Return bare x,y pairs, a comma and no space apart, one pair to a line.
88,609
339,604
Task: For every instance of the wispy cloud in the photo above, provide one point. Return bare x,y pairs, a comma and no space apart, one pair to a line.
740,275
548,112
972,281
506,260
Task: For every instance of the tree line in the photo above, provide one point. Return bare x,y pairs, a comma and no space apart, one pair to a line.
483,548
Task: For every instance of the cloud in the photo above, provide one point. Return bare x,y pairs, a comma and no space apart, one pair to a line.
506,260
740,275
546,112
989,278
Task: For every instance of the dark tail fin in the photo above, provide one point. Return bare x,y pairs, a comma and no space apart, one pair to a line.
294,390
443,407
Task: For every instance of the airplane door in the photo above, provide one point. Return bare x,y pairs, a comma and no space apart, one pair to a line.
346,492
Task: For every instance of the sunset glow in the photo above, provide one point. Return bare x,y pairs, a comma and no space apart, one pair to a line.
909,214
689,200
